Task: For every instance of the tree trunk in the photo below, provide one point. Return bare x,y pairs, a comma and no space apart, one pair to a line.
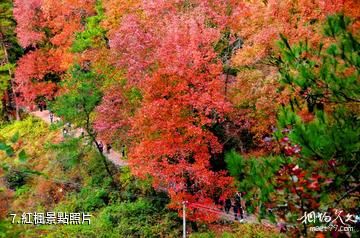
89,131
17,113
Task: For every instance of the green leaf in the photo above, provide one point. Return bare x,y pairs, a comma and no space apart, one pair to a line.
30,171
5,166
22,156
8,150
15,137
3,146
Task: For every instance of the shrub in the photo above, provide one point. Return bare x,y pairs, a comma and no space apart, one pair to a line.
15,178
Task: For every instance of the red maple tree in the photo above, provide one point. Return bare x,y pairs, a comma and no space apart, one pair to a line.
183,97
46,30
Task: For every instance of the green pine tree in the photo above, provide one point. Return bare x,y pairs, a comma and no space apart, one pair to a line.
325,84
318,167
327,78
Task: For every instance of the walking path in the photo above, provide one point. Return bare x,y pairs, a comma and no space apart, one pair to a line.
113,156
248,218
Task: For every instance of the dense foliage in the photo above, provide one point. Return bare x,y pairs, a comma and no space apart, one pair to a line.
202,98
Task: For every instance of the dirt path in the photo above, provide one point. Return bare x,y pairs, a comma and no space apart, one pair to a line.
248,218
113,156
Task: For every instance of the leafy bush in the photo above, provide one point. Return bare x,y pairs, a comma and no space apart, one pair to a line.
22,190
243,231
126,219
256,231
255,176
15,178
92,199
202,235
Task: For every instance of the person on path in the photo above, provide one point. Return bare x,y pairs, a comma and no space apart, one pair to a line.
101,147
237,206
108,148
123,151
51,117
40,106
65,132
228,205
243,203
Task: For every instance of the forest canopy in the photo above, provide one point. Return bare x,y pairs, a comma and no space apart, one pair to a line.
200,98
